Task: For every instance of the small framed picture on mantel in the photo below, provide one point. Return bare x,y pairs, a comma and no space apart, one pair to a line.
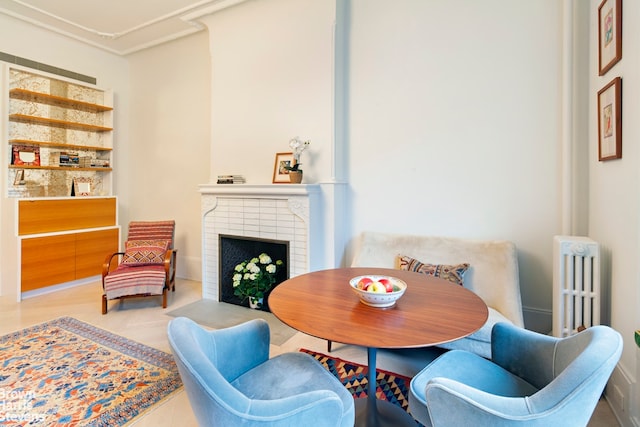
610,121
280,172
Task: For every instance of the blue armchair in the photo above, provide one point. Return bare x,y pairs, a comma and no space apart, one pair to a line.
230,380
532,379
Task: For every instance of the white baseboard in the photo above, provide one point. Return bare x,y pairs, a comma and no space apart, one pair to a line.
54,288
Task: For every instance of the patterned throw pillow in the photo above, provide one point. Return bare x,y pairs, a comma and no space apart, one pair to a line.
452,273
144,252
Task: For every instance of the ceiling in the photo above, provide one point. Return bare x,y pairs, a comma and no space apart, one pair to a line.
118,26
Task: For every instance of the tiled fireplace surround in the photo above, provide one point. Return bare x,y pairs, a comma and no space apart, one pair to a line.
283,212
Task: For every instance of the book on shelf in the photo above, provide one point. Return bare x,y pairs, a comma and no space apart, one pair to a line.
231,179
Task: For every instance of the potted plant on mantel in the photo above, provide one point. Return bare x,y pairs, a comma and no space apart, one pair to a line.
295,173
297,146
253,278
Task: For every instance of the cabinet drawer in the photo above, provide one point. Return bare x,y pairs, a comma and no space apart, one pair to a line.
91,250
48,261
52,260
50,216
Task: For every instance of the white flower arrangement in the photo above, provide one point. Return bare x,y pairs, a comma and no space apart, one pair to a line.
297,147
255,277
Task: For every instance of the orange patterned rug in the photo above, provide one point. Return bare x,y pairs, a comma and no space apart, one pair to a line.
68,373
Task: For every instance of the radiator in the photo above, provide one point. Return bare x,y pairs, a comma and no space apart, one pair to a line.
576,284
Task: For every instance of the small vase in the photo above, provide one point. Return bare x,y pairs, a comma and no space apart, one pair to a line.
255,303
295,177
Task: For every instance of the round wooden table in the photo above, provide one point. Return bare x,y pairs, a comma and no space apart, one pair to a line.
432,311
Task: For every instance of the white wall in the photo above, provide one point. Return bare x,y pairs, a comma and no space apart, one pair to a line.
169,153
454,124
271,81
614,206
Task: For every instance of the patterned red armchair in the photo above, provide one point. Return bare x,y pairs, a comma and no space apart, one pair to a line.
147,267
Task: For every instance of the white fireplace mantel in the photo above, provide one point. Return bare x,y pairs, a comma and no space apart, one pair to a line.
262,191
289,212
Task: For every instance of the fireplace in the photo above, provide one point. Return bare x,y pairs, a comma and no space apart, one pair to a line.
285,213
235,249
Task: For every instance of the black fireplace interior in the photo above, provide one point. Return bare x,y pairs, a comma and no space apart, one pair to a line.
235,249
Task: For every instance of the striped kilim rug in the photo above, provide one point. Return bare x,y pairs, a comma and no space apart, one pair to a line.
392,387
69,373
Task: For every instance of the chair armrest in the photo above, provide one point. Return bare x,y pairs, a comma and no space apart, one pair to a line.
106,266
170,259
524,353
454,403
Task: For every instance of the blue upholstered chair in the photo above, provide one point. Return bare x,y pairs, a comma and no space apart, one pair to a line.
230,380
532,379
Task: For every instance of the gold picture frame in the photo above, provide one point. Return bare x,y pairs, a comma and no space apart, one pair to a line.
280,174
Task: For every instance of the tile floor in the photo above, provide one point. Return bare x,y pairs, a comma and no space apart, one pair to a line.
145,321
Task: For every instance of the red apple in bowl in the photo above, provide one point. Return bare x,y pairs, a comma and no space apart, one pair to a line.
387,284
364,283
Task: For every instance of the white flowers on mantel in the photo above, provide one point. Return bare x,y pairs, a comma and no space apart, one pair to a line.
297,147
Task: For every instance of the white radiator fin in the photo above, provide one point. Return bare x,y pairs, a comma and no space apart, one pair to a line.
576,284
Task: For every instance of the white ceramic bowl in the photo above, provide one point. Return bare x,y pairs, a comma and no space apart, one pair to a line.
379,299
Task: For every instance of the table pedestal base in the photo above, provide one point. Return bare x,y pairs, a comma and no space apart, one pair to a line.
381,413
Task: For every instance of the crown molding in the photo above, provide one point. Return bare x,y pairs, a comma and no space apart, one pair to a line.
159,29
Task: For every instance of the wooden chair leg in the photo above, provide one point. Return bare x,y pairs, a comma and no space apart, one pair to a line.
329,346
164,298
104,304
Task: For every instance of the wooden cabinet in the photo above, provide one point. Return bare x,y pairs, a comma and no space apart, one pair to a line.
59,133
92,248
47,261
64,240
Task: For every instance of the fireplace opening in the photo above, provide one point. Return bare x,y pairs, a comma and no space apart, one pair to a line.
235,249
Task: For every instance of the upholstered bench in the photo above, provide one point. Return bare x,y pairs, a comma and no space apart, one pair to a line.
488,268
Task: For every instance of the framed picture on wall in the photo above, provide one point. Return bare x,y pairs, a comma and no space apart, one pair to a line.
280,173
609,34
610,121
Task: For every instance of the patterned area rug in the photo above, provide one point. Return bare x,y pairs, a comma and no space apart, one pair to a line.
392,387
69,373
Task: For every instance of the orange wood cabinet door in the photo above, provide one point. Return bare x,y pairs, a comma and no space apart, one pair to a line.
52,260
91,250
50,216
48,261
